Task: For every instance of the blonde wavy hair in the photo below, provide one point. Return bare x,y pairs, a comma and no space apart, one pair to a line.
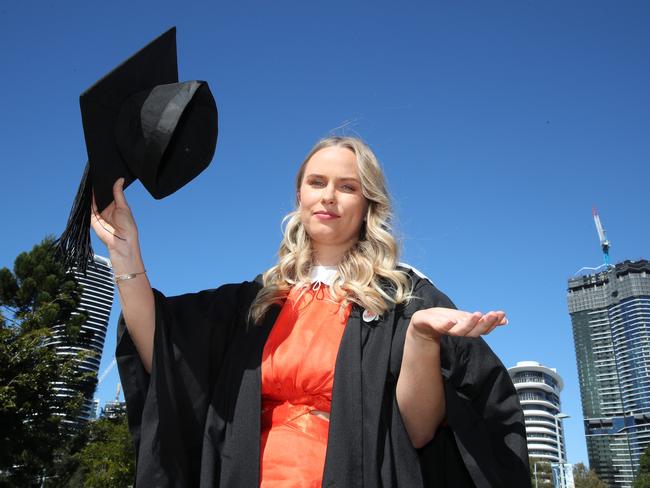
367,275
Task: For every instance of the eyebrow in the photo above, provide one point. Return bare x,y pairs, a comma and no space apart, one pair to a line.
345,178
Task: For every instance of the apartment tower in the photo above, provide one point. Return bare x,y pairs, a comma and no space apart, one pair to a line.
610,316
96,302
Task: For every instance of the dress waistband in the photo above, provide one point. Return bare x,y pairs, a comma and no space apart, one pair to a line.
297,416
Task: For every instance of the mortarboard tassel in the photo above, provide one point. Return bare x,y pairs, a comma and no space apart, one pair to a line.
73,248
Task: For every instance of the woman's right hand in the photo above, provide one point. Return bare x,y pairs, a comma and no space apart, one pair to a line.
116,227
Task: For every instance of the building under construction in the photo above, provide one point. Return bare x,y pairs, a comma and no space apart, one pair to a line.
610,316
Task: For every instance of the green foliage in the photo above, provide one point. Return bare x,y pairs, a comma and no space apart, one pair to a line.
102,456
540,473
642,481
109,456
40,293
586,478
643,477
37,298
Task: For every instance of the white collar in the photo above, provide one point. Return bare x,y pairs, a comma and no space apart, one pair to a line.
323,274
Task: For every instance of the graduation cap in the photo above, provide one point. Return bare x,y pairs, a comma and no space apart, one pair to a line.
139,123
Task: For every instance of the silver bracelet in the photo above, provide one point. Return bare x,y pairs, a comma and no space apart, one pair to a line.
130,276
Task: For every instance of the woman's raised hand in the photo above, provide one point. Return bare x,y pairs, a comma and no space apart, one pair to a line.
432,323
115,226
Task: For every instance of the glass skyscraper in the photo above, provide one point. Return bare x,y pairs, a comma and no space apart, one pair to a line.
96,302
610,316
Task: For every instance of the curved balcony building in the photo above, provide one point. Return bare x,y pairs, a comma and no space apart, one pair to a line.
539,390
96,302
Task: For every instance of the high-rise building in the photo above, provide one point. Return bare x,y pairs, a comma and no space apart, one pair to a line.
610,316
96,302
539,390
94,413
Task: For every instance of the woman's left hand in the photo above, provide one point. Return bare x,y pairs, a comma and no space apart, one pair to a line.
420,389
431,323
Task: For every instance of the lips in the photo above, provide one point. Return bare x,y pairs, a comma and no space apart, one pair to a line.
322,214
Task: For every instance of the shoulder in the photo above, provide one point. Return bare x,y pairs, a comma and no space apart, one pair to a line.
425,294
230,296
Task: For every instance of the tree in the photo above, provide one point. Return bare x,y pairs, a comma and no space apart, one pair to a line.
585,478
540,473
643,476
102,457
108,458
36,297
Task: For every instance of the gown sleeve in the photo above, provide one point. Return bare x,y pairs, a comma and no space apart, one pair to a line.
482,442
166,409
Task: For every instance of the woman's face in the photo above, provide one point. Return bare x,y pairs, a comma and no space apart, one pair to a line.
332,206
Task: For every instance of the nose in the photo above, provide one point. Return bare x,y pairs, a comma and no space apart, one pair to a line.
328,194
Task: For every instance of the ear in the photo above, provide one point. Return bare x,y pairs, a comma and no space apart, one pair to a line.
298,196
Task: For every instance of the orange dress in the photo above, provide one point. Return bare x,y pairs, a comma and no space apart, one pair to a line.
297,377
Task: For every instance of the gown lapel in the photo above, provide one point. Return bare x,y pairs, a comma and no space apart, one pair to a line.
241,457
376,348
359,382
344,458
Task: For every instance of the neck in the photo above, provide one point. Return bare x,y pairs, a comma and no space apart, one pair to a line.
329,255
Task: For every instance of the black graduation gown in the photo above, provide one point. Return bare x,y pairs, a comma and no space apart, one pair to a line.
196,419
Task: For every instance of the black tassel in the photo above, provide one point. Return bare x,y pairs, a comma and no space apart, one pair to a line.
73,248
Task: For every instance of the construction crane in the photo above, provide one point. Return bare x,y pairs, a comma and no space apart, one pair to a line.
604,243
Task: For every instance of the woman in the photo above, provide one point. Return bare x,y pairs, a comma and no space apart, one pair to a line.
337,367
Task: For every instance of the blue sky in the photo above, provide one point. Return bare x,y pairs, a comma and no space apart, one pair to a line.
499,125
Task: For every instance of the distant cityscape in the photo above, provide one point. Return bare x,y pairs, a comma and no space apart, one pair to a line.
610,317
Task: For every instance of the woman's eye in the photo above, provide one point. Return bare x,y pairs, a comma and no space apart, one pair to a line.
317,183
348,187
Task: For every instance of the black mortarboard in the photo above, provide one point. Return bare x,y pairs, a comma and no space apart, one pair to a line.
140,123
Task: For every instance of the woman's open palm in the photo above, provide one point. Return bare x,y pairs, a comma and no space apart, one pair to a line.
431,323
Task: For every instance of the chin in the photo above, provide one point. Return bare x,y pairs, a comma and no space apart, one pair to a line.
323,237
